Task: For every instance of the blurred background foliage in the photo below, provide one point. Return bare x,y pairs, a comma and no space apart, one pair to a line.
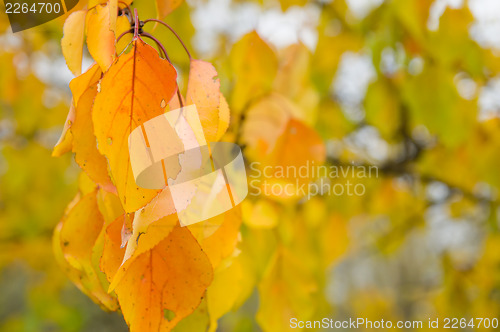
410,86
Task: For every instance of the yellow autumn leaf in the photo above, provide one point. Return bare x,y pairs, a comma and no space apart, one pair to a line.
74,239
84,141
100,39
64,144
72,41
287,289
254,66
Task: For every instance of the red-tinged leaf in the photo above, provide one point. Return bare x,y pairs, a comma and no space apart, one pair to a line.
204,91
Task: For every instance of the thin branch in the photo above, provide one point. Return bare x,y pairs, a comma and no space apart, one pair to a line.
123,34
160,45
395,169
173,31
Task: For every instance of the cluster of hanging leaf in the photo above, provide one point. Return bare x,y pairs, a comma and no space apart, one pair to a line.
122,246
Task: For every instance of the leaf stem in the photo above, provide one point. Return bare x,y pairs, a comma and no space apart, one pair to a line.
160,45
123,34
173,31
136,24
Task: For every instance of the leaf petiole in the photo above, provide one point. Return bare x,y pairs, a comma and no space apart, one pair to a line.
173,31
123,34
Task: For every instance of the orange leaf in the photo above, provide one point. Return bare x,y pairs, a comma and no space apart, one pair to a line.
110,206
265,122
166,284
151,224
100,39
203,91
112,255
276,136
79,84
132,92
84,141
141,242
72,41
298,145
221,243
74,240
81,228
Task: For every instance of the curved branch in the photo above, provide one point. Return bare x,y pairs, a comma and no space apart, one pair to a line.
173,31
123,34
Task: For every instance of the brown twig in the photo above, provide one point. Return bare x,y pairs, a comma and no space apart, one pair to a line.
123,34
173,31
